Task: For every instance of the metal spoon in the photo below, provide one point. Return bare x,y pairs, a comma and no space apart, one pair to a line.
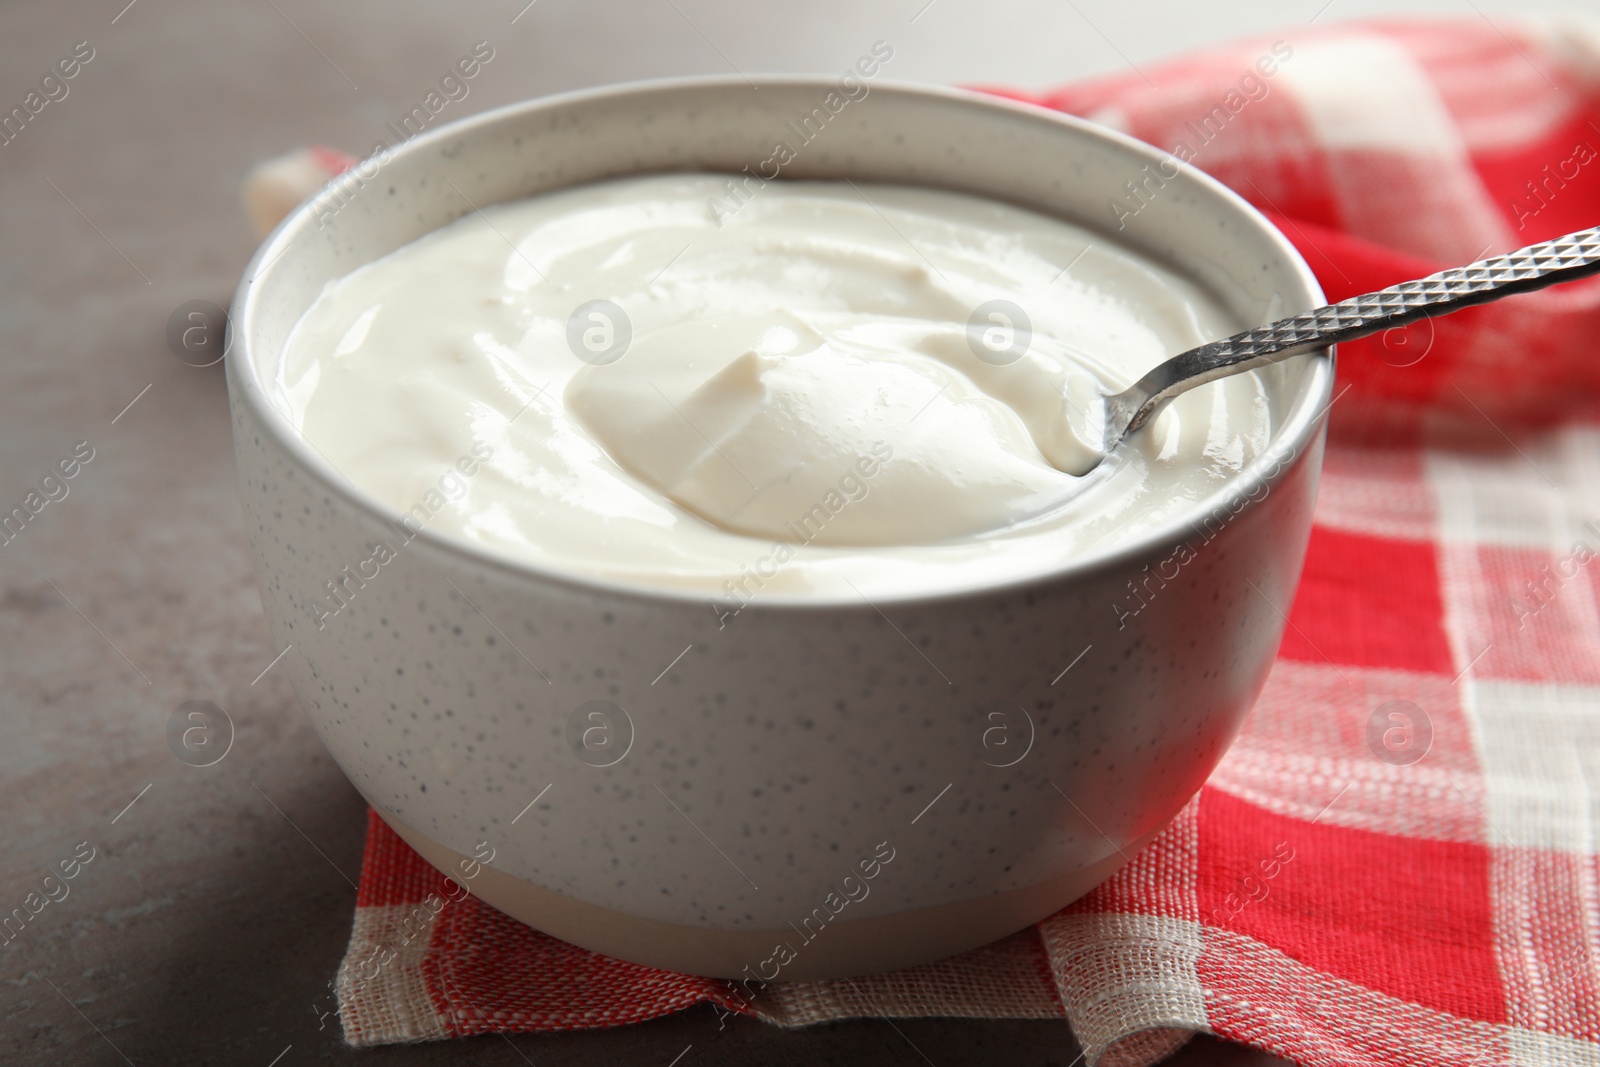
1576,255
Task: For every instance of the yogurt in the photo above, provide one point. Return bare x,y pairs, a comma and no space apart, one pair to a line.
831,389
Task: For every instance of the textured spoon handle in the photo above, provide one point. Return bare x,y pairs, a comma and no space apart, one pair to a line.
1564,259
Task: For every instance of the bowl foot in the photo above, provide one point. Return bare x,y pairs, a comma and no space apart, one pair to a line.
844,949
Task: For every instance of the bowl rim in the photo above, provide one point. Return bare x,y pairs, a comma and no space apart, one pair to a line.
1296,436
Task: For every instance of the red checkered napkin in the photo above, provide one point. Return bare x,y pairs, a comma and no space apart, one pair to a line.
1396,862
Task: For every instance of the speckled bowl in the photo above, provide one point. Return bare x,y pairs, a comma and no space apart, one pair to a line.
819,788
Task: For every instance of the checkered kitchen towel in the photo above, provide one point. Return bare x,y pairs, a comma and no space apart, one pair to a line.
1396,863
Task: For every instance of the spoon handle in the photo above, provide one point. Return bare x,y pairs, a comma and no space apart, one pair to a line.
1564,259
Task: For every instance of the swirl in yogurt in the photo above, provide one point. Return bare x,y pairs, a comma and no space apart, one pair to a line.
838,389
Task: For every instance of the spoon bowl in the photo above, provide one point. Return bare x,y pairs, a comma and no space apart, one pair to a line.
1576,255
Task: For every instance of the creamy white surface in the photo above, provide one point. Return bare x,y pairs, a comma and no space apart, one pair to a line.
800,408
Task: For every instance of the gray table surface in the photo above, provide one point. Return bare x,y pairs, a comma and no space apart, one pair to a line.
209,925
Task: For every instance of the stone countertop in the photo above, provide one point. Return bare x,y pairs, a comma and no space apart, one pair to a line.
209,924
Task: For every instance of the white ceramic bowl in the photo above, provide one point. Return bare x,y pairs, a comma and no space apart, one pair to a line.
805,778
